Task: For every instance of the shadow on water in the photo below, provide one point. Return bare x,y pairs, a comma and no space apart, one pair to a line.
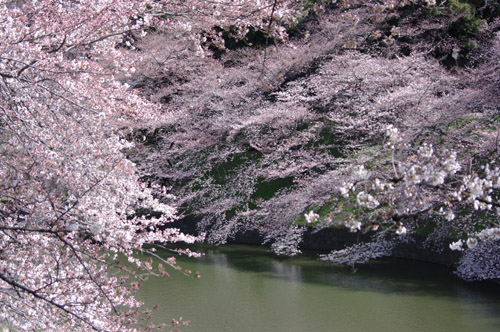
384,276
247,289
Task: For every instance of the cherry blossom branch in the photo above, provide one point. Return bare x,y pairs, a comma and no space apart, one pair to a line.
88,272
17,285
34,230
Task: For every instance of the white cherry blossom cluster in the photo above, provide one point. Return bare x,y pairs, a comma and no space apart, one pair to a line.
401,230
448,214
429,168
361,172
418,178
311,217
432,169
393,136
345,188
425,151
458,245
489,234
360,253
353,225
381,185
366,200
476,191
449,162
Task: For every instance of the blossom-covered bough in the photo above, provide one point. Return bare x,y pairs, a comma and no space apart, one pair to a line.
418,182
68,197
266,150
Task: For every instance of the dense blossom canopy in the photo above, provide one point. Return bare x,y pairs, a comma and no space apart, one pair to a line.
363,122
72,206
68,197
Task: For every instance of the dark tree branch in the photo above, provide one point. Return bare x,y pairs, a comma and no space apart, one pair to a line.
88,272
19,286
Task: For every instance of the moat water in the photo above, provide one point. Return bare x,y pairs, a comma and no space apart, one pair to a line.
247,289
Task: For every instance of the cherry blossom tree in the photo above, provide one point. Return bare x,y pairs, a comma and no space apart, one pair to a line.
72,206
69,200
339,128
390,198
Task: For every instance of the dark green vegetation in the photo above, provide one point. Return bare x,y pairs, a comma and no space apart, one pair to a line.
454,31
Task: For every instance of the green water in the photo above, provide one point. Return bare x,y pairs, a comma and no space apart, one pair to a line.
243,288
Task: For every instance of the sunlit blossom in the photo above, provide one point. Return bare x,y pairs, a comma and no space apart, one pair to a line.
471,242
457,245
401,230
361,172
311,217
345,189
426,151
367,200
449,215
393,136
353,225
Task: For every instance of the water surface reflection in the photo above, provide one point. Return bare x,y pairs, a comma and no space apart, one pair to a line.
244,288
